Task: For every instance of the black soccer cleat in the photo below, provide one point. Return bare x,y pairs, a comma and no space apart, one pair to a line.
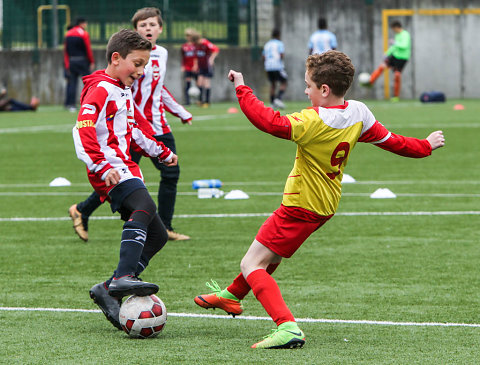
131,285
109,305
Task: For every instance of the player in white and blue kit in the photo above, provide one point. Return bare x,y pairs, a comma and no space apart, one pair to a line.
322,40
273,55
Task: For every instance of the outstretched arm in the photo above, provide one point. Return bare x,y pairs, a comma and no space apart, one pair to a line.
265,119
404,146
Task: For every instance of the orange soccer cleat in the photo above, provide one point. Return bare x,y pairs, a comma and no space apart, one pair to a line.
217,300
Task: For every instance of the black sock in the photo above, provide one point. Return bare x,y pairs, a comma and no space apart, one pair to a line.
207,96
187,87
133,240
88,206
280,94
200,97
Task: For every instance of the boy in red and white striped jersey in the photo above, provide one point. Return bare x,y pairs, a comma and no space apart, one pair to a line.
152,100
106,128
325,135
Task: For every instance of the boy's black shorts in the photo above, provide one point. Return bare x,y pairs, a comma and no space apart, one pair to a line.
395,63
121,191
190,74
277,76
206,72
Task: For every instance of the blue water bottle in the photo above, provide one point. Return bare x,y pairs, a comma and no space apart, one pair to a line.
207,183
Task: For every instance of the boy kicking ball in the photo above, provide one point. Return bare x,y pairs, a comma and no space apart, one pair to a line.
325,135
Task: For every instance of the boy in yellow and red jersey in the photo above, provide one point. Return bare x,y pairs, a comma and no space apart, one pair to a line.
325,135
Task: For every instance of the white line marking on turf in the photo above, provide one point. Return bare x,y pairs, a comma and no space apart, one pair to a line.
273,183
248,215
64,128
255,318
252,193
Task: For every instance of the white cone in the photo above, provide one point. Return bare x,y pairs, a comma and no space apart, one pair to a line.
383,193
59,181
236,194
347,179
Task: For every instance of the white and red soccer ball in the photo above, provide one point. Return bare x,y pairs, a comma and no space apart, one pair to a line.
143,317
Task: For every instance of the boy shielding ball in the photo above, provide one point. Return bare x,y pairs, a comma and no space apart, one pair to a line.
325,135
105,129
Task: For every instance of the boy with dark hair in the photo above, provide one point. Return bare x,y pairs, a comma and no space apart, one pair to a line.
105,129
152,100
325,135
322,40
273,55
396,58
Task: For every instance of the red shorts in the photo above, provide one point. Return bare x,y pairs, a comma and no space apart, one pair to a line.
287,228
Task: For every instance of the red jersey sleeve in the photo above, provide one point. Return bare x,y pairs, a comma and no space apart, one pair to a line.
172,106
88,47
265,119
85,134
66,60
380,136
212,48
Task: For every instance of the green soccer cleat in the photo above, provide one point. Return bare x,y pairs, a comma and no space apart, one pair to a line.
286,336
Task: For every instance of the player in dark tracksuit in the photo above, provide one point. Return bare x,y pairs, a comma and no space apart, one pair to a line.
78,59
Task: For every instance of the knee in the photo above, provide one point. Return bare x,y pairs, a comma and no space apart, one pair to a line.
170,175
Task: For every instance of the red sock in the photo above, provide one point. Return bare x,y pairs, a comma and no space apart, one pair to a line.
397,83
376,74
240,287
268,294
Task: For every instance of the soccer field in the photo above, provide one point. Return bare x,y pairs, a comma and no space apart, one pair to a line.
386,281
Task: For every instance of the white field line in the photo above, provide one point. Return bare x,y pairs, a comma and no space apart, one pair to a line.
267,183
63,128
249,215
67,128
255,318
253,193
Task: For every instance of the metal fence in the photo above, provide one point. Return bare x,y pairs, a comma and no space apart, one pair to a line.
30,24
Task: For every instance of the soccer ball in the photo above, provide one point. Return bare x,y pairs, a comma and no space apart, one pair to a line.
364,78
143,317
194,91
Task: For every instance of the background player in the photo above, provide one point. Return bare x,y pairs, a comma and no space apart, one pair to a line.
77,58
325,135
205,52
107,101
396,58
189,62
273,55
152,99
322,40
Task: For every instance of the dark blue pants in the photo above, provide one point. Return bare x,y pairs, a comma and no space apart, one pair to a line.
77,69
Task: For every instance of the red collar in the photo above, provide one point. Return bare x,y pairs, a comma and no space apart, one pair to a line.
344,106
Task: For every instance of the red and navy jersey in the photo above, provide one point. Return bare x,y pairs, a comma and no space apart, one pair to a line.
204,50
106,128
151,96
188,56
77,46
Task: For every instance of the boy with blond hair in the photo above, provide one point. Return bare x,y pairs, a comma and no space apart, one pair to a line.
106,128
325,135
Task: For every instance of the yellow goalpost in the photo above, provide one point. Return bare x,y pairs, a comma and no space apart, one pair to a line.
386,13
